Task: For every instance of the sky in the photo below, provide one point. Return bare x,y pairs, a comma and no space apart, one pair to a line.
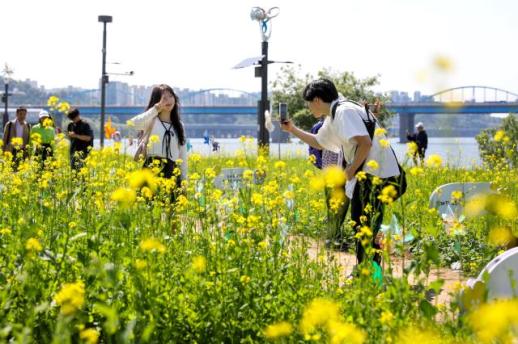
195,43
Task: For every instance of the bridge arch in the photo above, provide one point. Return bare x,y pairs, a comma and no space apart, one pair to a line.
473,93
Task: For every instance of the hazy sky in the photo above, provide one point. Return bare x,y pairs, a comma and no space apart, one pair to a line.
194,43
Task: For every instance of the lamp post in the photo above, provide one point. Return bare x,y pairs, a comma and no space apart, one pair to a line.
104,76
7,72
263,18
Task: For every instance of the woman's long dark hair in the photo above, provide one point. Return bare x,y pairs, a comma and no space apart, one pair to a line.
156,94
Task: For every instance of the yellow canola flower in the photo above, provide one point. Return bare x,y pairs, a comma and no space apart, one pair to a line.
47,122
373,164
195,157
124,196
89,335
277,330
388,194
415,335
289,195
498,205
411,148
210,173
248,175
36,138
257,198
386,317
5,231
52,101
494,322
434,160
33,245
70,297
152,245
500,236
318,313
199,264
476,205
334,176
141,178
130,123
280,165
443,63
245,279
63,107
456,195
17,142
380,132
384,143
504,208
416,171
499,135
341,332
154,139
317,183
361,176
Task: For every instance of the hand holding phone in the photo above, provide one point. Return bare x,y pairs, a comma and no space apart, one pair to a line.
283,112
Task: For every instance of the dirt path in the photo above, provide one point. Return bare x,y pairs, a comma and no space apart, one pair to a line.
348,261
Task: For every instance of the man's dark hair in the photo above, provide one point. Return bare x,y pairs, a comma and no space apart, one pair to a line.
21,108
73,114
321,88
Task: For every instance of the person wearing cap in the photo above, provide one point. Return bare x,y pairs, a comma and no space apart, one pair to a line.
17,128
421,140
44,133
81,139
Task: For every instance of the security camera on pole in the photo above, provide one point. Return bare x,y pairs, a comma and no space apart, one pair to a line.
261,71
264,19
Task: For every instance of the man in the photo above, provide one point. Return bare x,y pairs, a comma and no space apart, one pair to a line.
46,132
347,126
421,140
81,139
19,130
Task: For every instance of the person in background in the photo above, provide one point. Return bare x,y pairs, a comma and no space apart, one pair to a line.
162,117
46,132
421,140
19,130
81,139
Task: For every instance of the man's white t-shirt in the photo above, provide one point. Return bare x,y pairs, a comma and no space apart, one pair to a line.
348,123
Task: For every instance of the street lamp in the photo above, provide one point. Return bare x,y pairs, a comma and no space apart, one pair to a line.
264,19
104,76
7,72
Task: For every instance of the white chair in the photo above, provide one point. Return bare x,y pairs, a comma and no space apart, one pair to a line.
502,276
441,198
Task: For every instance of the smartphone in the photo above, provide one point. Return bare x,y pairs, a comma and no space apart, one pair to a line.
283,112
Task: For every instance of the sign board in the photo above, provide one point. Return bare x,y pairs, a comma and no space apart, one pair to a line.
441,198
233,178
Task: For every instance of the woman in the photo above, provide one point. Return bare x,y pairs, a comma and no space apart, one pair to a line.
162,120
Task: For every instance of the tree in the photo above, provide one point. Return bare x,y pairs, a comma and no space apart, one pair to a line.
499,145
288,87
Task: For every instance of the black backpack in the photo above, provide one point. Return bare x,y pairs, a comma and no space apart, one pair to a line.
399,182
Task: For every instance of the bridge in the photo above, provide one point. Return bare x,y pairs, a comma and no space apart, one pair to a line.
460,100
